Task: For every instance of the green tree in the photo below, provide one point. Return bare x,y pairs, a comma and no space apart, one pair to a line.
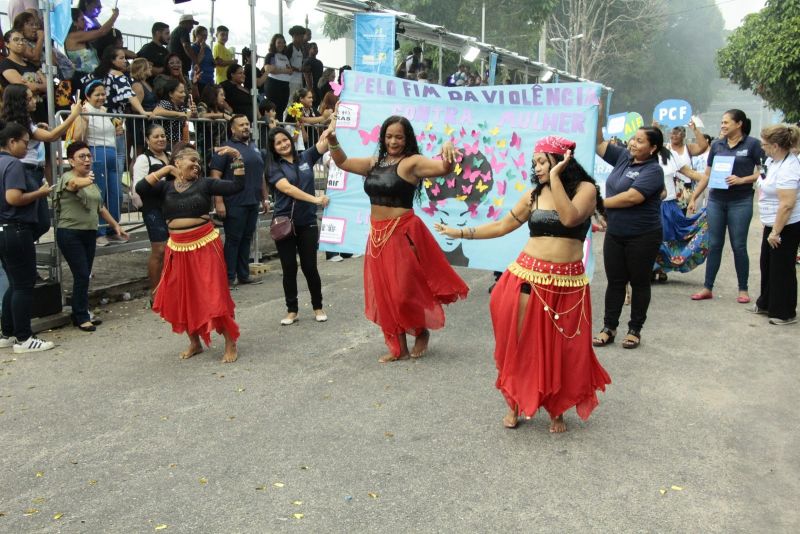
763,55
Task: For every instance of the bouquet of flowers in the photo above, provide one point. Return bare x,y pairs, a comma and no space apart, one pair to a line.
295,111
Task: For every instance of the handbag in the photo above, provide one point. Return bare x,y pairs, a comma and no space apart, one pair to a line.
282,227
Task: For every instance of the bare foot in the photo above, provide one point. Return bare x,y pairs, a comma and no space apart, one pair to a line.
557,425
194,348
386,358
421,344
511,419
230,355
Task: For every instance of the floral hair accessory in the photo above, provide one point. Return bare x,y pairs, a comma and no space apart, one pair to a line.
295,110
553,144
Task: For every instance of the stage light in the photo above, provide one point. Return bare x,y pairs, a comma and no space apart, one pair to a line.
546,76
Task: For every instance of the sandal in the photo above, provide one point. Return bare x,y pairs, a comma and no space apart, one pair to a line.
597,341
629,343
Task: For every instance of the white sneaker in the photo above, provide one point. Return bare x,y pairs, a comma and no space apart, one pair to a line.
7,342
781,322
33,344
336,258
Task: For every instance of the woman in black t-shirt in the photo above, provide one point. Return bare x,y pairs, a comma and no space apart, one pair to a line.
236,95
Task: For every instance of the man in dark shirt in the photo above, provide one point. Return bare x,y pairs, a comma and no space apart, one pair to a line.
240,211
180,42
312,71
156,50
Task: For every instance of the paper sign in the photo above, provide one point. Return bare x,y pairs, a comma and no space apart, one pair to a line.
720,170
331,230
671,113
337,178
633,121
348,115
616,125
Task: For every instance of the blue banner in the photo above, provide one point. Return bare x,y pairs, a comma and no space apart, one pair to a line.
374,43
495,128
492,68
672,113
60,20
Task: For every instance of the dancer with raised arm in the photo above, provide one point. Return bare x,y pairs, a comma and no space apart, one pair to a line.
541,306
406,275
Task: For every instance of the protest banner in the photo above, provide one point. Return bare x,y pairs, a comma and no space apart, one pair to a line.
494,127
672,113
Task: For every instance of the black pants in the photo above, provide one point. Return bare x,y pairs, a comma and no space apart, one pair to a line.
18,255
778,275
629,259
78,248
303,243
240,224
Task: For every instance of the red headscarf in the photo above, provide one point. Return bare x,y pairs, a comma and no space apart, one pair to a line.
553,144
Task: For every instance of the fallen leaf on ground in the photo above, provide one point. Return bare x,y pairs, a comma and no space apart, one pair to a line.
2,514
92,482
59,515
298,516
74,462
297,503
373,495
662,491
39,474
676,488
304,467
278,484
31,511
203,480
240,390
389,434
260,488
161,527
173,466
38,500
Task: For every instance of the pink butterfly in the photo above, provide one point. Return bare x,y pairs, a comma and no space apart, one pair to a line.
467,189
463,132
487,177
451,183
488,149
473,209
501,188
525,175
432,137
429,147
421,136
371,136
475,133
496,165
516,141
472,176
466,171
337,88
435,191
520,161
504,155
469,150
431,209
493,213
441,203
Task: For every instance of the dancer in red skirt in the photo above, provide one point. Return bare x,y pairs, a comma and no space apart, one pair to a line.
541,307
193,294
406,275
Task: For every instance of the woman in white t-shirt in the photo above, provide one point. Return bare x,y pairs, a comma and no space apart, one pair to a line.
684,245
280,73
682,153
779,211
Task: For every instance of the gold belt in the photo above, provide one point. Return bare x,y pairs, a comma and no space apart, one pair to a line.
548,279
194,245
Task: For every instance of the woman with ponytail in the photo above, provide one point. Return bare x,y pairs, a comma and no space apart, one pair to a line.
541,306
730,208
633,236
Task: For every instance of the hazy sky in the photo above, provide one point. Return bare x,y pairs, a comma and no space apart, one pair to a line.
735,10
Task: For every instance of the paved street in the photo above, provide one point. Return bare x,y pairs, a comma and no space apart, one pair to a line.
308,433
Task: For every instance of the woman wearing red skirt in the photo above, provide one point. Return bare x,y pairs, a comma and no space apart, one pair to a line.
193,294
541,307
406,275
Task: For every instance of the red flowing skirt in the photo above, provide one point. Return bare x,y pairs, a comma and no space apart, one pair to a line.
407,279
193,294
549,362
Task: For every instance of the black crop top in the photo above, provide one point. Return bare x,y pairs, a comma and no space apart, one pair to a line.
546,223
386,188
193,203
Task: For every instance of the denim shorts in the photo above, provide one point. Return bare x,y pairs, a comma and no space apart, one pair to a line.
157,230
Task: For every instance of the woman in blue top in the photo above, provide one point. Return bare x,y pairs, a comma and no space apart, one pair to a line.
633,236
292,179
205,59
730,208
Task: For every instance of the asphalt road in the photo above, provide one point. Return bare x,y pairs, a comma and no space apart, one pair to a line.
111,432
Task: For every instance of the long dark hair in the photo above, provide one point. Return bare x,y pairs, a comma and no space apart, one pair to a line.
15,105
210,97
739,116
274,49
271,143
411,148
10,131
106,63
571,178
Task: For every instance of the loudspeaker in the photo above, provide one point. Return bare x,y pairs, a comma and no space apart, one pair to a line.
46,299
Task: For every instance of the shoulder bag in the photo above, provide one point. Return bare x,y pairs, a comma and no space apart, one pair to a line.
282,227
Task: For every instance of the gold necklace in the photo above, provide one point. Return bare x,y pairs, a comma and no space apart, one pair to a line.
554,315
379,237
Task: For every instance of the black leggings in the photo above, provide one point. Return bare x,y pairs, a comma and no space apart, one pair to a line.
629,259
18,254
278,94
303,243
779,274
